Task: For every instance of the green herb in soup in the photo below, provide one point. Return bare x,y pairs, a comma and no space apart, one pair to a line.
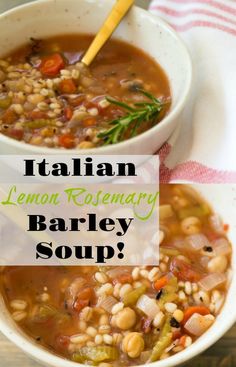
126,316
48,97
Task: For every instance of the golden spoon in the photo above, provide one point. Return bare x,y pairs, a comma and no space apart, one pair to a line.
114,18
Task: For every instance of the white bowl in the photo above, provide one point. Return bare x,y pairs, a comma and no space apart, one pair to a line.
45,18
223,202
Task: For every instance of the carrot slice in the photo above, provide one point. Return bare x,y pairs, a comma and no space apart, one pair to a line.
90,121
160,283
226,227
51,65
67,141
67,86
201,310
68,113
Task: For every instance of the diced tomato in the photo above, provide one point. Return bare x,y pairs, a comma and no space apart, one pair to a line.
226,227
112,112
182,340
160,283
67,86
9,117
184,271
35,115
123,278
201,310
176,335
91,104
84,298
68,113
90,121
211,236
67,141
16,133
62,342
77,101
146,325
51,65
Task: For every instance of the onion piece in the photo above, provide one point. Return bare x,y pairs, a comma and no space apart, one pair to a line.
198,241
165,211
204,260
179,242
148,306
107,303
222,247
115,272
198,324
216,223
212,281
73,57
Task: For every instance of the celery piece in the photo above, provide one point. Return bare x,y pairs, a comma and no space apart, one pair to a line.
132,297
96,354
169,292
194,211
172,285
77,357
160,347
166,327
163,342
38,124
5,102
46,312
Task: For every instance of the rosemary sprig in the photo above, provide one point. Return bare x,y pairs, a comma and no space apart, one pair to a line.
136,115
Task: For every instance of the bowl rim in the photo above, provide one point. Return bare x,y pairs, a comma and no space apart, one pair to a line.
172,114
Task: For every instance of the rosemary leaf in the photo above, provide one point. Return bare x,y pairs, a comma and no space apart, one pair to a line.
136,115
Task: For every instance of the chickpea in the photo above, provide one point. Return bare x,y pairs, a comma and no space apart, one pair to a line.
125,319
2,76
218,264
161,236
133,345
35,98
191,225
180,202
86,145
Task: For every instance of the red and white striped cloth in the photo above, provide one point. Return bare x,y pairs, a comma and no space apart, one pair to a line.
204,147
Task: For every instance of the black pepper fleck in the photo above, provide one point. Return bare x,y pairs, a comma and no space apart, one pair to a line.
174,323
159,294
208,249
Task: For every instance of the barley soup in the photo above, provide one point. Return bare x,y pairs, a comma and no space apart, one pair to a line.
124,316
48,97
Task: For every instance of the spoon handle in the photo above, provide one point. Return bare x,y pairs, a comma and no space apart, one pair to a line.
114,18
